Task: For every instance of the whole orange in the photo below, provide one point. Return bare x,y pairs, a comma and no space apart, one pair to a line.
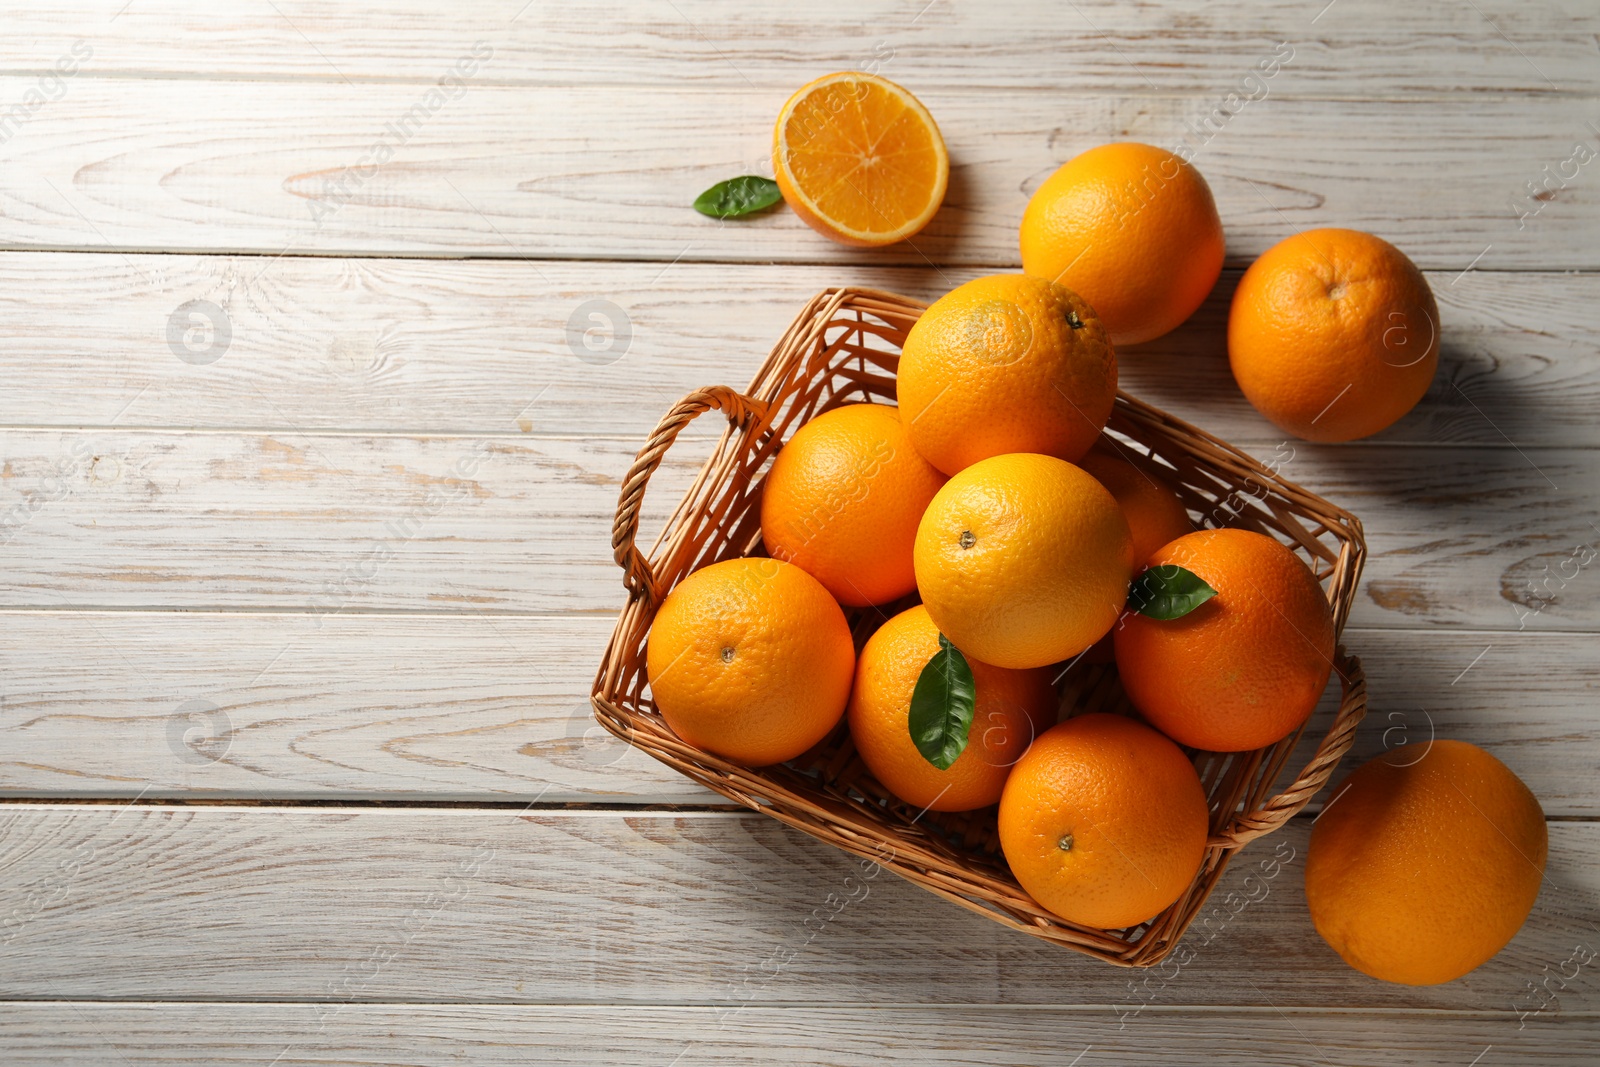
1005,363
1244,669
859,159
1425,862
1012,708
750,659
843,500
1103,821
1133,230
1023,560
1155,514
1333,334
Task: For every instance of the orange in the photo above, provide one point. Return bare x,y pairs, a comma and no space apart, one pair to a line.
1133,230
750,659
1155,514
1005,363
1333,334
1244,669
1422,867
1012,707
859,159
1104,821
843,500
1023,560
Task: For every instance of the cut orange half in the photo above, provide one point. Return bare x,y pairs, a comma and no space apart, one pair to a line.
859,159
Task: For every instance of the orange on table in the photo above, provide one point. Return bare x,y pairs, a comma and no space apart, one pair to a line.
1013,707
1023,560
1154,512
1333,334
1244,669
1133,230
1425,862
1103,821
750,659
1005,363
859,159
843,500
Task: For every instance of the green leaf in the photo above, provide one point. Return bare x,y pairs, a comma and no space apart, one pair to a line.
1168,592
743,195
942,706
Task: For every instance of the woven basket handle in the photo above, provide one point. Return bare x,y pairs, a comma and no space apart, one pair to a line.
1278,810
740,409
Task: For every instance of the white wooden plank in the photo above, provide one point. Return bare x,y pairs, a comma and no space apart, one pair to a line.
457,347
609,172
1526,697
1489,538
181,704
1356,47
363,707
309,1035
472,905
318,524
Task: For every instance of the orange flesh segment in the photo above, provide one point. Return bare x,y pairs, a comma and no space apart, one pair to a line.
866,158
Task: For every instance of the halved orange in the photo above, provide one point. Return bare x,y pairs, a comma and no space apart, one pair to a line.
859,159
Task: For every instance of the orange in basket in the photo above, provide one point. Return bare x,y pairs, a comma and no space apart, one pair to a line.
1104,820
1011,708
1244,668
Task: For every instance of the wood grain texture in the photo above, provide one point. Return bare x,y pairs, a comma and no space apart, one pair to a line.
424,1035
1355,47
473,906
1486,538
424,346
179,704
394,522
265,706
131,165
362,556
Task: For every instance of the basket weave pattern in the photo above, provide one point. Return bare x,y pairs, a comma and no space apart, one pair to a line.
844,348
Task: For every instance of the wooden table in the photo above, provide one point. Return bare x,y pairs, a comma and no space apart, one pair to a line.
328,333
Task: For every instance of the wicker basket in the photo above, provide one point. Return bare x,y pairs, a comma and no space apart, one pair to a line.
843,348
